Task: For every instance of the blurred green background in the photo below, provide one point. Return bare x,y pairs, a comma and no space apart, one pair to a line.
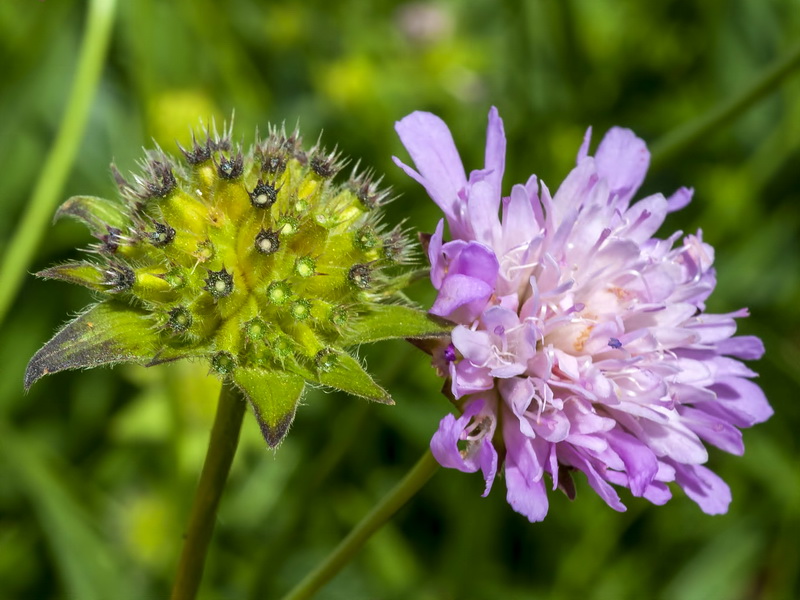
97,469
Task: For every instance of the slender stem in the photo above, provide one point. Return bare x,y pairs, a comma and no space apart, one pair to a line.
221,449
683,137
417,477
20,250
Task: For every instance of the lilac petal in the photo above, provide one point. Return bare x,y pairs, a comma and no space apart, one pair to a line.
469,379
705,487
461,291
640,463
572,457
524,468
644,218
476,346
529,498
746,347
680,199
583,151
488,461
435,255
713,429
483,203
444,444
495,157
430,144
519,221
622,159
478,261
741,401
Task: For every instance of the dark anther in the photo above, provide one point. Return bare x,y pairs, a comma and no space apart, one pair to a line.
180,319
231,168
450,353
119,277
219,283
162,180
323,166
614,343
263,195
267,241
111,240
274,164
199,153
162,235
360,276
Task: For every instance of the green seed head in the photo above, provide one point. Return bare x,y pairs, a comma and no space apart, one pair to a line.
257,260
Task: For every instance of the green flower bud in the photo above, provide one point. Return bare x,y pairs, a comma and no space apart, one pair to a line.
257,260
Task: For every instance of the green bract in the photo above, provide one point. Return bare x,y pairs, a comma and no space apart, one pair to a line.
255,261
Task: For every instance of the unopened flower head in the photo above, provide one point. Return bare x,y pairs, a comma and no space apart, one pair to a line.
583,343
256,261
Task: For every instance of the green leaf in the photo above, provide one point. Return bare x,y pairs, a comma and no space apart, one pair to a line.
391,321
98,214
82,273
348,375
273,396
107,333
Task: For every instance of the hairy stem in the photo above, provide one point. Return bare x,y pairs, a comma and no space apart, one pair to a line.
417,477
221,449
681,138
20,250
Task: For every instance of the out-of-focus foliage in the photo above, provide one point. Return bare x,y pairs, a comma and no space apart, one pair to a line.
97,469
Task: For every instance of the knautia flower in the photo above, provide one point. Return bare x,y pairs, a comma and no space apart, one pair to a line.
583,343
254,261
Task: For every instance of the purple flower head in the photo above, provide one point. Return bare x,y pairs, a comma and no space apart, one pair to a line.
582,343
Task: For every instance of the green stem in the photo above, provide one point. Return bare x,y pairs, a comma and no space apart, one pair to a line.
417,477
20,250
683,137
221,449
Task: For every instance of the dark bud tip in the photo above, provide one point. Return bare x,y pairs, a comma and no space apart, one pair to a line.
323,166
121,182
223,363
267,241
161,181
360,276
119,277
180,319
274,164
111,240
199,153
162,235
231,167
263,195
219,283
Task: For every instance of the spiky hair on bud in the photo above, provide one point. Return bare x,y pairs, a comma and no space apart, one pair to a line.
256,260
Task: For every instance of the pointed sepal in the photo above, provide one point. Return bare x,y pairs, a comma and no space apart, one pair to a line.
393,321
273,396
341,371
107,333
81,273
98,214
